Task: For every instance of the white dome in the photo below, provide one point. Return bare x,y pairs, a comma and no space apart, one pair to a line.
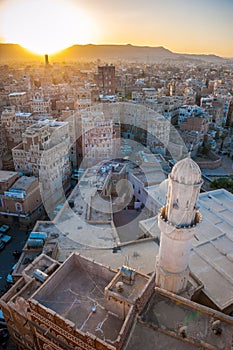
187,172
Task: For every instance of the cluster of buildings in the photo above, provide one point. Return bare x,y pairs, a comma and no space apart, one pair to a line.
36,92
48,148
20,198
133,255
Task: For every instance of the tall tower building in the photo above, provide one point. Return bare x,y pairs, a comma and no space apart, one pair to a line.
46,59
229,121
178,220
106,79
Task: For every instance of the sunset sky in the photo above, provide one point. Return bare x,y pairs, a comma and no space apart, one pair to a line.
46,26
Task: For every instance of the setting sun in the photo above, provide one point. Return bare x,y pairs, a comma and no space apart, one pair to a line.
45,26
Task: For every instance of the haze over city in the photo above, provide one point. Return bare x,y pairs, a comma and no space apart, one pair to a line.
47,26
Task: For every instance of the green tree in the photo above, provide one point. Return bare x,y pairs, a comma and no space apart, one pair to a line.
222,137
223,182
128,96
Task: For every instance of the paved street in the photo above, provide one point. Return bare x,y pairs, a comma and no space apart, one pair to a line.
7,260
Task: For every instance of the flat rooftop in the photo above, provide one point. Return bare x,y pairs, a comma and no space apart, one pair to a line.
24,288
73,222
144,337
166,314
211,259
150,158
5,175
27,285
149,175
129,291
140,254
74,289
23,183
113,165
26,258
220,202
100,209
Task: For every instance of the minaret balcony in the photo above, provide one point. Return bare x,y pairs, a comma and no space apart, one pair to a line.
181,232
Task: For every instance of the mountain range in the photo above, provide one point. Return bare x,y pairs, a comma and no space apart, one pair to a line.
15,53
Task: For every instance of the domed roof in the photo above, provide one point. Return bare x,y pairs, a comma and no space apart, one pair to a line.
187,172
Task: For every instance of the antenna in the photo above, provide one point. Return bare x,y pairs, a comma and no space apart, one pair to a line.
127,260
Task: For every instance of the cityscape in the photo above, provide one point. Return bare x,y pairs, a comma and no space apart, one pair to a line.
116,175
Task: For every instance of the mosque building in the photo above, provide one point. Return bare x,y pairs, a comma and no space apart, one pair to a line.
83,304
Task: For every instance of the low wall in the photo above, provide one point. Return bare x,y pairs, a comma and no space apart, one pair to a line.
212,162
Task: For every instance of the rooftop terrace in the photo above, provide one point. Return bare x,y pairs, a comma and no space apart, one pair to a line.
169,313
5,175
74,290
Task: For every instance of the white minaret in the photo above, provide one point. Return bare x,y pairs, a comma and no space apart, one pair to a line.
177,221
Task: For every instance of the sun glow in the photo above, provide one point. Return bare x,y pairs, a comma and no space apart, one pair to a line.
45,26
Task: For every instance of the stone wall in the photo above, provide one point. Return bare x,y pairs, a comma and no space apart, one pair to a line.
212,161
146,294
59,333
97,269
126,328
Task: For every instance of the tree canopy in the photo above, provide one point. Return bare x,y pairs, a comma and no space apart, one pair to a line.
223,182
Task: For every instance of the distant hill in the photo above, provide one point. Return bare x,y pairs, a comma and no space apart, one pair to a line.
16,53
202,57
114,52
10,53
128,53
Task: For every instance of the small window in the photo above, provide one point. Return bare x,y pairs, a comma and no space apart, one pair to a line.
18,207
